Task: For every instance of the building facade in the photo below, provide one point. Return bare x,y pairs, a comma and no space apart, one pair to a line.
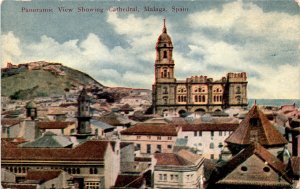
207,139
151,138
197,93
178,170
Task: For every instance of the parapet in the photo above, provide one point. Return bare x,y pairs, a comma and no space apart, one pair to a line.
237,77
197,79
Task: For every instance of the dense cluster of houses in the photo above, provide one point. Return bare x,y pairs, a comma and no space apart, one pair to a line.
69,146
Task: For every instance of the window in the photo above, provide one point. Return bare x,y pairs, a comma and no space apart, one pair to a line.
159,147
92,185
93,171
220,133
266,169
160,176
195,133
172,177
159,138
176,177
169,146
211,133
238,90
165,176
138,146
200,133
244,168
169,138
148,148
211,145
186,137
196,98
138,137
165,73
212,156
149,137
165,54
165,90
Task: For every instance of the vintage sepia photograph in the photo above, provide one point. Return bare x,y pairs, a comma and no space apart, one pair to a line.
150,94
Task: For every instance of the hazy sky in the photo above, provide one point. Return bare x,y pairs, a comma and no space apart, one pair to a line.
118,48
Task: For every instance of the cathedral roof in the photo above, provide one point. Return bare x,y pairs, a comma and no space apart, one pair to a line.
164,37
256,127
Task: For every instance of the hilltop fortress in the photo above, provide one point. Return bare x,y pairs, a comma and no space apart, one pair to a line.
196,93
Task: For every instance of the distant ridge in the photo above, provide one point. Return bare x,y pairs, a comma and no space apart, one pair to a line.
274,102
41,78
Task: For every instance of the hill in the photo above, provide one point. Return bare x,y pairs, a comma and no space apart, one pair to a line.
37,79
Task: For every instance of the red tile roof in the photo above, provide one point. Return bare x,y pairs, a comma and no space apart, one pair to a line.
210,127
170,159
9,122
54,124
295,165
157,130
266,134
252,149
42,175
87,151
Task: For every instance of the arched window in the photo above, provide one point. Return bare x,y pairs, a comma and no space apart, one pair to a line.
165,90
77,171
200,98
181,98
238,90
161,74
23,170
184,98
178,99
165,54
221,98
218,99
165,73
203,98
196,98
211,145
215,99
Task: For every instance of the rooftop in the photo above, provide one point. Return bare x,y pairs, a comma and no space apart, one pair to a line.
257,127
83,152
149,129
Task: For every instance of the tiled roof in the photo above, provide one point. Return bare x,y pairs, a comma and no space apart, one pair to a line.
42,175
181,158
157,130
295,165
9,122
170,159
87,151
252,149
265,133
54,124
194,158
210,127
125,180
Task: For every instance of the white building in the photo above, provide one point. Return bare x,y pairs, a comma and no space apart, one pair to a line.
207,138
178,170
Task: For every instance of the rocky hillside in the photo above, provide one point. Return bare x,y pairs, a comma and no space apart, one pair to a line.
37,79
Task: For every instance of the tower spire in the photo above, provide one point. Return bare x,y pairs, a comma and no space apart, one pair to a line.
165,28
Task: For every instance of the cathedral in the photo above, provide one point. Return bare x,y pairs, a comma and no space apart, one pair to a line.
196,93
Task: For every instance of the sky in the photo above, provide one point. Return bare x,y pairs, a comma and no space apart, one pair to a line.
210,38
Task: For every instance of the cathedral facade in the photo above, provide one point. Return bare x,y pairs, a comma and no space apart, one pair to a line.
196,93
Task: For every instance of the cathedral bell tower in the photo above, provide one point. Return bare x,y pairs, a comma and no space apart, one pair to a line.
164,63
